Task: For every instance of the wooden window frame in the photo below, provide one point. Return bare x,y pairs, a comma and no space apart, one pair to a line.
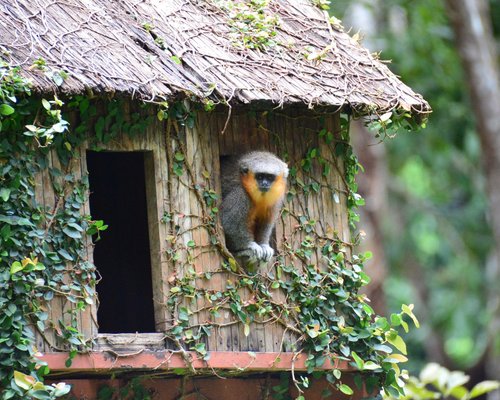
153,147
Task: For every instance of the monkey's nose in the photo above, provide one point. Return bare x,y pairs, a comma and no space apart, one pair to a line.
264,185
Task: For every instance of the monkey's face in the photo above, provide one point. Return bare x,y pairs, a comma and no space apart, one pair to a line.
263,177
264,189
264,180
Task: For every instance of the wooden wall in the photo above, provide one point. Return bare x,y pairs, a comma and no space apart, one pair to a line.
52,202
289,134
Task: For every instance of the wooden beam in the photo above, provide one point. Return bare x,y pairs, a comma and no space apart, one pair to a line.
102,362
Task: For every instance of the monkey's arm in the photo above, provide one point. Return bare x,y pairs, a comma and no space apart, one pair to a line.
264,231
235,209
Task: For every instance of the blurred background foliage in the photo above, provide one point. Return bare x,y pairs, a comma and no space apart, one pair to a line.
437,244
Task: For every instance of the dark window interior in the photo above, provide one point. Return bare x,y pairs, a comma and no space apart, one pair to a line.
122,255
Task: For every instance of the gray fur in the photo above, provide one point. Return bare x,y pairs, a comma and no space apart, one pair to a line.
236,206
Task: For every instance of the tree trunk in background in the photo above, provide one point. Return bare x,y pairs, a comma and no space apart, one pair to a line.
471,21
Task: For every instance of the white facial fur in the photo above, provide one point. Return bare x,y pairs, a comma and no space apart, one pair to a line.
264,163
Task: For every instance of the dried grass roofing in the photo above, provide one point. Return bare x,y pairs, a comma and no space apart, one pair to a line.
105,47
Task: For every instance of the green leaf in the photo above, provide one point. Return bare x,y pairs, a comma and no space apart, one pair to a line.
75,226
396,319
23,381
246,329
398,342
46,104
59,128
345,389
57,78
371,366
65,254
233,265
484,387
61,389
16,267
408,310
200,348
41,395
183,314
383,348
176,59
5,193
5,109
458,392
72,233
395,358
15,220
359,362
312,333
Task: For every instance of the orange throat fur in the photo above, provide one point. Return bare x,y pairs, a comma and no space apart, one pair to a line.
263,203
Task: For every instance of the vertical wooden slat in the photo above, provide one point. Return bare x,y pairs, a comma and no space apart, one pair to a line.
59,304
74,168
154,201
224,335
164,202
272,331
89,317
216,284
194,159
212,261
292,134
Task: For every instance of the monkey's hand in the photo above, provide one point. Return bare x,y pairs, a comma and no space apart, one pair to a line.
267,252
257,252
253,252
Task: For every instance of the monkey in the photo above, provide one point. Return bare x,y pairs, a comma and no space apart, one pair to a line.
253,190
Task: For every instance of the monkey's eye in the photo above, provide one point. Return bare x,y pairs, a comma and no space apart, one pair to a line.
244,170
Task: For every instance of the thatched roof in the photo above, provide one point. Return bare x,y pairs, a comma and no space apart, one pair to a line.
161,49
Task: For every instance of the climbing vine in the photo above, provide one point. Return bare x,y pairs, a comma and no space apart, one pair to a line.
43,249
252,24
320,278
35,243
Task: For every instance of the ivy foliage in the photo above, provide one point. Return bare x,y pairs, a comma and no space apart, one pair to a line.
253,26
43,254
32,256
42,246
320,278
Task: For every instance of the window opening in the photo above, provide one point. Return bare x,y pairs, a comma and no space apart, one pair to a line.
122,255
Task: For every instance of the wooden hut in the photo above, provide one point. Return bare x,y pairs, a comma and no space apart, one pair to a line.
162,91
